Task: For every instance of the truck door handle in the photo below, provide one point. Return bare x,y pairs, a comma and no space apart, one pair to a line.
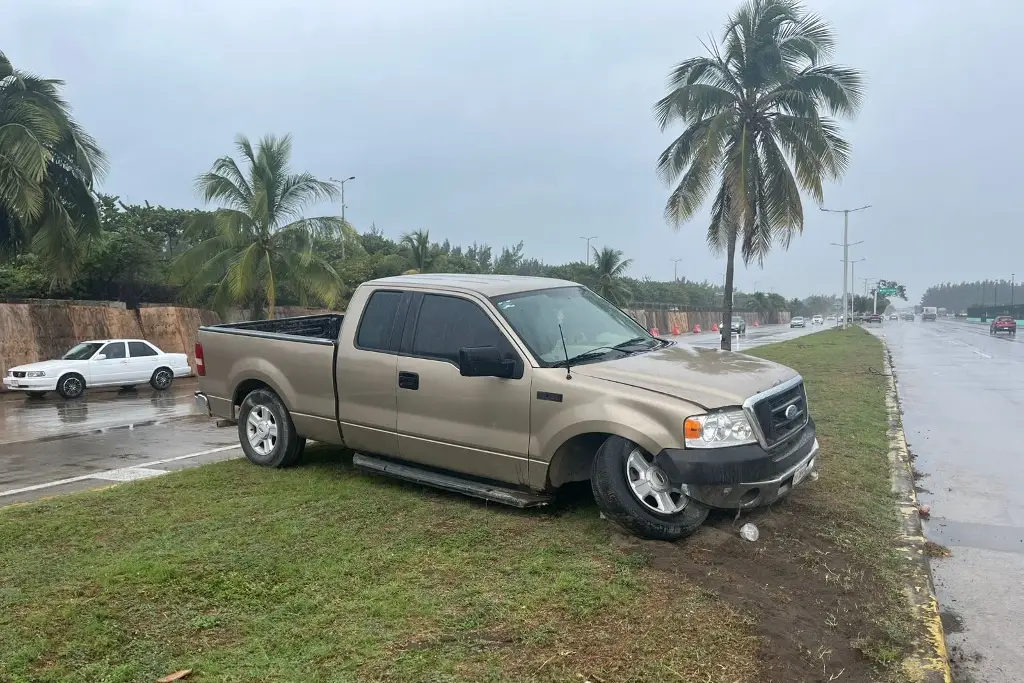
408,380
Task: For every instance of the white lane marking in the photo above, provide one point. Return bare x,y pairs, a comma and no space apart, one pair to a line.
107,474
985,355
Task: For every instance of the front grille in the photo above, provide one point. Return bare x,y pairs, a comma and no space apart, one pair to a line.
17,373
771,414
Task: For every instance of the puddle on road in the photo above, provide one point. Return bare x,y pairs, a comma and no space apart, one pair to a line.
951,621
1007,539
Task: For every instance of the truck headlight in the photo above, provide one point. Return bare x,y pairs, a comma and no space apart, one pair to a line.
36,373
718,429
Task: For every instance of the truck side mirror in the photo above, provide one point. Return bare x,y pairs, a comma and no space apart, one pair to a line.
100,356
485,361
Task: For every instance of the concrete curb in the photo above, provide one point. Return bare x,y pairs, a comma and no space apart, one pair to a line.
929,663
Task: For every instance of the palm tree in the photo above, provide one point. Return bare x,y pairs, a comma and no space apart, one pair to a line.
259,240
417,249
609,268
758,113
48,165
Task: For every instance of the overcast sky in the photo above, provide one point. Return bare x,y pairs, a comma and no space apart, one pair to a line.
495,120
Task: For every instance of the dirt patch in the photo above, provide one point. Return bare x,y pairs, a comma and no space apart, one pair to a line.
803,596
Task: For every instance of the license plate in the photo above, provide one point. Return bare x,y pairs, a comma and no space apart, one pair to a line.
15,384
801,473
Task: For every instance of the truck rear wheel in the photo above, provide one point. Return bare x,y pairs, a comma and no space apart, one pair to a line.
266,432
636,494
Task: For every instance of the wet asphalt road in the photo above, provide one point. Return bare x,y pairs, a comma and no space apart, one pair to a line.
50,446
962,392
755,336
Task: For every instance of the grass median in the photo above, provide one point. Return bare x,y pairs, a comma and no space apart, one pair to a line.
319,573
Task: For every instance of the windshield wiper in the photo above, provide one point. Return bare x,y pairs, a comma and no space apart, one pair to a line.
587,355
633,342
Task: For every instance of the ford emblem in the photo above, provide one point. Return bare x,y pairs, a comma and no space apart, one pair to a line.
792,411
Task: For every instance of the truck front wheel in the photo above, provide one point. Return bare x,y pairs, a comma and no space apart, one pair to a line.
266,432
635,493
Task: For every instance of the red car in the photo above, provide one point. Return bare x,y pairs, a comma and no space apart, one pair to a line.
1003,323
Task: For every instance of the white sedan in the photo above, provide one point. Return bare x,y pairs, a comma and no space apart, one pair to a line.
100,363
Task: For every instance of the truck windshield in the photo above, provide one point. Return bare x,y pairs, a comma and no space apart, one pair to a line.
81,351
588,322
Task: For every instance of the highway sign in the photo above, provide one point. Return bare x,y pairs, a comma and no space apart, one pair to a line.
886,291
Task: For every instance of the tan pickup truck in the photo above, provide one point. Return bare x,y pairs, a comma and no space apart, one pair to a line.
506,388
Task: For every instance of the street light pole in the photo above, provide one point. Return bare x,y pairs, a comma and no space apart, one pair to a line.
344,222
1011,290
675,264
592,237
846,249
853,278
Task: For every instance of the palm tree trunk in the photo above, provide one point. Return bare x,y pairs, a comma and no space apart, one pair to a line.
727,303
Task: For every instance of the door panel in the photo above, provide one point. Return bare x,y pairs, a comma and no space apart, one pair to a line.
143,361
473,425
367,374
111,370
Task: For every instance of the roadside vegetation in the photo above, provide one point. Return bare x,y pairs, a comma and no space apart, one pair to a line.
319,573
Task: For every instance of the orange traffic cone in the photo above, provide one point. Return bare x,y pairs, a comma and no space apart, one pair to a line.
675,330
655,331
714,327
696,329
757,324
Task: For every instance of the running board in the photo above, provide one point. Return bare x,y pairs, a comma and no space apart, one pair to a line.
469,487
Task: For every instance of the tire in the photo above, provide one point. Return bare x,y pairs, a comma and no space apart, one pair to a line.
35,394
162,379
268,413
616,498
71,385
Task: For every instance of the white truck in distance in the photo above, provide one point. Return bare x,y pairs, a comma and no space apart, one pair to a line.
929,313
99,363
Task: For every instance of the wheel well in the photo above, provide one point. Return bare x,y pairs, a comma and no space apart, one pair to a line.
163,367
572,460
71,374
246,388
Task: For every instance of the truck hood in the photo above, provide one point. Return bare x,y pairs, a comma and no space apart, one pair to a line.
710,378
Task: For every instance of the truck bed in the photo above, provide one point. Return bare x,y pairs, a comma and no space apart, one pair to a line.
323,327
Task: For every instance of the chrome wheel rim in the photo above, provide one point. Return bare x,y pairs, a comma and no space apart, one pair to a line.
72,386
261,428
163,379
651,486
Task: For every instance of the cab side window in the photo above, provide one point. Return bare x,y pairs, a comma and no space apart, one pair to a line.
446,324
113,350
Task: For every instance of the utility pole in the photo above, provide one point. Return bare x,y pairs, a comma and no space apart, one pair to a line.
874,308
675,265
592,237
846,250
865,280
1012,285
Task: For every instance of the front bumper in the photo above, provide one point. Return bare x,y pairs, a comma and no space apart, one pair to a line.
743,476
29,383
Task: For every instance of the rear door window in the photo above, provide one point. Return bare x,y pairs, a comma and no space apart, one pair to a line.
140,349
377,324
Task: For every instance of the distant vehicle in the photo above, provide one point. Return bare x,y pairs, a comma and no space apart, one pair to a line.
894,317
929,313
908,316
874,318
1003,323
831,318
817,320
797,322
100,363
739,325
